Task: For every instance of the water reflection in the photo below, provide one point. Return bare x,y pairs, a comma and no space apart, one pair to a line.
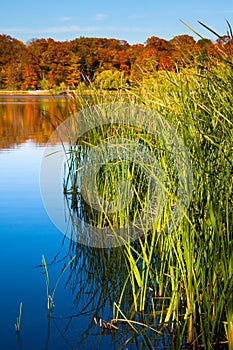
23,119
96,278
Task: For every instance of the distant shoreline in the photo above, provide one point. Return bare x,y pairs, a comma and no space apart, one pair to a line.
31,93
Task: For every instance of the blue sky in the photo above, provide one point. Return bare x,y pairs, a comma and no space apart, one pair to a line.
132,20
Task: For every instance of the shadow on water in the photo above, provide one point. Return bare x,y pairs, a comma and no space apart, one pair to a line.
95,279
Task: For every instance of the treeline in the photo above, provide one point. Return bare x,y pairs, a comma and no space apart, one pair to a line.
109,63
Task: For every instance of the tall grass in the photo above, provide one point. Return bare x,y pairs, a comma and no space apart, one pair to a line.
50,293
18,319
199,252
182,280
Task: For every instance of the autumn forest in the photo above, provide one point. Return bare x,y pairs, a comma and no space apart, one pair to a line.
109,63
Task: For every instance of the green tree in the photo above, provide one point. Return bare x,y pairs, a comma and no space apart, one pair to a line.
111,80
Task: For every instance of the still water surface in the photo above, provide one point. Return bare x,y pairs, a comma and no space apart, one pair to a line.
26,233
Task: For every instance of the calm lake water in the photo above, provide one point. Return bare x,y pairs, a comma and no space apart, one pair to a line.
26,233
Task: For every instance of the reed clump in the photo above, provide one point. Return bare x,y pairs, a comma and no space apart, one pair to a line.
197,269
181,279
